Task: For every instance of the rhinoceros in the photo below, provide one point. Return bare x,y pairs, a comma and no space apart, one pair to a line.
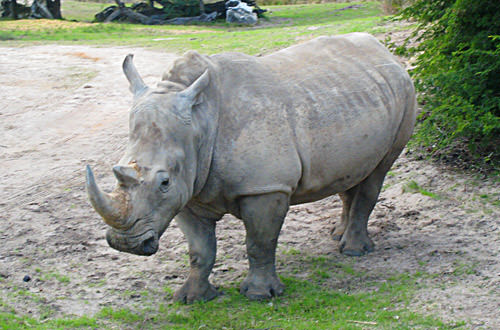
250,136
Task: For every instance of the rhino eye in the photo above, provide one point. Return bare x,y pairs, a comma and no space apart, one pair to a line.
164,184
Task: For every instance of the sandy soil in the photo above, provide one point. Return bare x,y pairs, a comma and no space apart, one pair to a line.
66,106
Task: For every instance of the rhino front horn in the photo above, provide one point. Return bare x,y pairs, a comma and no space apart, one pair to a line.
110,208
137,85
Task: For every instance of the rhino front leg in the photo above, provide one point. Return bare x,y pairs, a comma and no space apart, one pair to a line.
200,234
263,216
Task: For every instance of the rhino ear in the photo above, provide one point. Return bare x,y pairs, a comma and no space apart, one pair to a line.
192,94
126,175
137,85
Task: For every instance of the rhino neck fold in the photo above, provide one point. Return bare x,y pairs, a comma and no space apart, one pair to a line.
205,116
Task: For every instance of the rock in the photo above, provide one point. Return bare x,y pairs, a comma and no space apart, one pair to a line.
240,12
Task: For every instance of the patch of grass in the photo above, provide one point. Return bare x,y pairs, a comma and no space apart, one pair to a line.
386,186
57,276
325,264
13,321
493,199
24,295
286,25
308,303
461,268
304,306
98,283
121,315
291,251
6,35
82,11
413,187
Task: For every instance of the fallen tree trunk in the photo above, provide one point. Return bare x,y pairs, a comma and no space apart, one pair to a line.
172,12
122,10
13,10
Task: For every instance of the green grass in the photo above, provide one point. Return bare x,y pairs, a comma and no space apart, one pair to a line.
82,11
305,305
326,294
284,26
493,199
414,187
13,321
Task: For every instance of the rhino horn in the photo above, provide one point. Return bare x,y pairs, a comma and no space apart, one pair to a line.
192,93
137,85
109,206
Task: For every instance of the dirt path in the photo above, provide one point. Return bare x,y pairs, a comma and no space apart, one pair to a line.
67,106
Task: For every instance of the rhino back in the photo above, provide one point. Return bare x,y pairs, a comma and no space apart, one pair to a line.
310,120
349,97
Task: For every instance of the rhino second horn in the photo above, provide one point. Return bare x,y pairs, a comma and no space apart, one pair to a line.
107,207
137,85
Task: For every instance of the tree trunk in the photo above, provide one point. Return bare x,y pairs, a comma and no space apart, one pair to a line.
13,9
46,9
202,8
55,8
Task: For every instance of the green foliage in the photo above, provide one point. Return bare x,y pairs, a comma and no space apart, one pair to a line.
458,76
181,8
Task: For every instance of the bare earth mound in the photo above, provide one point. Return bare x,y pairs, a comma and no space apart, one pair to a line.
67,106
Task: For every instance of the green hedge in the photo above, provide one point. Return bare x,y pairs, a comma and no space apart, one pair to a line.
458,76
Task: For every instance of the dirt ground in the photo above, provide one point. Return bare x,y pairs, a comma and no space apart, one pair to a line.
63,107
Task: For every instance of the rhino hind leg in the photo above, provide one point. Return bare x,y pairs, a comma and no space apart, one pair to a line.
200,234
339,228
355,240
263,217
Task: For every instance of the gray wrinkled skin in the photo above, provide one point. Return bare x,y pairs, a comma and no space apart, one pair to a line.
232,133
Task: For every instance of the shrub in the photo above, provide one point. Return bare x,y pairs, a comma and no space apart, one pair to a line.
457,74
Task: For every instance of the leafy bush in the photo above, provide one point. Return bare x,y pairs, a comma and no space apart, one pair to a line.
458,76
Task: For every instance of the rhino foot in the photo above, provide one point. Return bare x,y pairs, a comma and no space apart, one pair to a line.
337,232
257,287
192,291
356,245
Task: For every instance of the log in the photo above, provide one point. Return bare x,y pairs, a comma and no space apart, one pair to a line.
143,19
146,13
113,15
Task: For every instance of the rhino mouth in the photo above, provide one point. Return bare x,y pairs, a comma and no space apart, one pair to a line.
143,244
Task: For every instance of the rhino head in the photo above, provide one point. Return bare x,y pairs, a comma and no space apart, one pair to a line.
157,174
